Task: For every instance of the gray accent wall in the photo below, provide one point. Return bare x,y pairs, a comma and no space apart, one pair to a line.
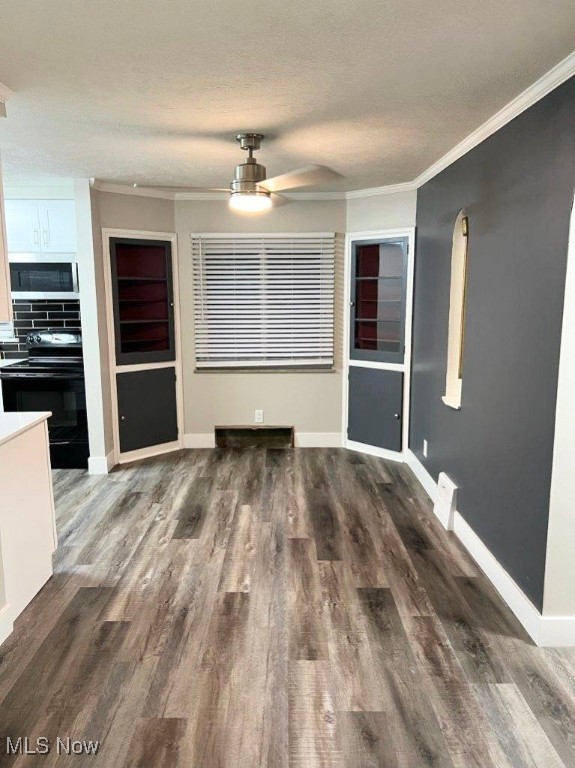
517,189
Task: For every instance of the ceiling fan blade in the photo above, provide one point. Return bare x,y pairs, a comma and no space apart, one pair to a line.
278,200
164,187
301,177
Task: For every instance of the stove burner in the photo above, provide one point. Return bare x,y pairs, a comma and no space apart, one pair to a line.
51,353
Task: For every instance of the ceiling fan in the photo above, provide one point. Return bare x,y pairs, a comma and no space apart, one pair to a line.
251,191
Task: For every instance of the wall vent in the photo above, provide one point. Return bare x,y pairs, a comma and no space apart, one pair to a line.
445,502
254,437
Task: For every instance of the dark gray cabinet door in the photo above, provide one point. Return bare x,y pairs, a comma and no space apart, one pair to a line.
147,408
375,407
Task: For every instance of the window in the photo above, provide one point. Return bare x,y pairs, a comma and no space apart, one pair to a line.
263,300
456,335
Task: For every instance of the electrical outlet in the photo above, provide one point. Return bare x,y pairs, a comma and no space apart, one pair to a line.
259,417
425,448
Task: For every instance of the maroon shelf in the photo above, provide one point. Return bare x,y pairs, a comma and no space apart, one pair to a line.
134,278
146,321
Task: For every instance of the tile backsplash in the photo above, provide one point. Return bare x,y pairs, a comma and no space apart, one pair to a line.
39,314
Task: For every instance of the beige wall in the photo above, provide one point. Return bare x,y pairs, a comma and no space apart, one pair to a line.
135,212
102,322
311,402
393,211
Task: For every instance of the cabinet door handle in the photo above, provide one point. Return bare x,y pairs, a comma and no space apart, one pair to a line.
122,418
45,237
36,237
396,416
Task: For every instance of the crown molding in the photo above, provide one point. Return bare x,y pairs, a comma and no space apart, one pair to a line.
126,189
527,98
314,195
390,189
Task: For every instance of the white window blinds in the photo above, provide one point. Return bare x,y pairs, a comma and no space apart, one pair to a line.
263,300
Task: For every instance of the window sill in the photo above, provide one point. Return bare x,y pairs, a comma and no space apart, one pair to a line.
265,370
452,402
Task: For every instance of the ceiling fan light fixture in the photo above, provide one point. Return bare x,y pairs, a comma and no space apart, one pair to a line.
250,202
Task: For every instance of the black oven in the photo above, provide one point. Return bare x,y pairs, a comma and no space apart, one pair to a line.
52,379
64,395
44,280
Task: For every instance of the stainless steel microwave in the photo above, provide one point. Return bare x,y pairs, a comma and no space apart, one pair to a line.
44,280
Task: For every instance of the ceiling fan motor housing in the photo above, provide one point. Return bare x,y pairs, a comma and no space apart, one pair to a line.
247,175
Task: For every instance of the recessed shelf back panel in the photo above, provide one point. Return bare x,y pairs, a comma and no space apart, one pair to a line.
137,260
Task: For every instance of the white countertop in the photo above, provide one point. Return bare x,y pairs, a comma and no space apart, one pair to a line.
14,423
9,362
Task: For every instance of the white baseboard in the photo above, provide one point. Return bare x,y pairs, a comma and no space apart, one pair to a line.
428,483
371,450
6,623
100,465
545,631
200,440
318,440
519,603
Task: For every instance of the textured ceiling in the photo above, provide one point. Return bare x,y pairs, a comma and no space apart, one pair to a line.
153,91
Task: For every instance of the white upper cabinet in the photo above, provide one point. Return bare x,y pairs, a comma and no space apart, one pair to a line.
58,224
41,226
22,226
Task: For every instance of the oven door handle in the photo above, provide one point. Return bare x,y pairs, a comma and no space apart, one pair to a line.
15,377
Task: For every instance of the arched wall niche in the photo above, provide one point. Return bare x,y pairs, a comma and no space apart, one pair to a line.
457,297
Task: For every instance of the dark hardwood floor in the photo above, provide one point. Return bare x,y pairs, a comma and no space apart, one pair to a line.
234,609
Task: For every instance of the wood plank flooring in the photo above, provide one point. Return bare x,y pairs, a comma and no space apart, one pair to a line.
273,608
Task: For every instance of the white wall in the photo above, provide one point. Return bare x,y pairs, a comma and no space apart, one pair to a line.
559,594
94,338
311,402
391,211
5,300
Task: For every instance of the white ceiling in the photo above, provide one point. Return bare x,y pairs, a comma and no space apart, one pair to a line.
153,91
